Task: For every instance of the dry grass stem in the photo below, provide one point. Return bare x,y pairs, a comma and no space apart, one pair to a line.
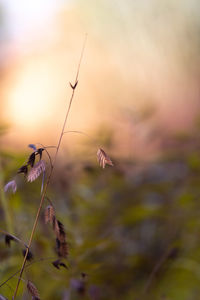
64,247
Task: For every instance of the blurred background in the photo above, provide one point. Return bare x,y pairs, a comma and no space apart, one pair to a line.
133,229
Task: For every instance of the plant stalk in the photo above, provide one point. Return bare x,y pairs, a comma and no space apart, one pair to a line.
50,174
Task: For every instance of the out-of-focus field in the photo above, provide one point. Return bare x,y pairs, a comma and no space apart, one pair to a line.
133,229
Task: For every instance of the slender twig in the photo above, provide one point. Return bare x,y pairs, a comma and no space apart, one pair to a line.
45,147
81,132
50,174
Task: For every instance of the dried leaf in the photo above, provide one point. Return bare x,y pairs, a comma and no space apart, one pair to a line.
49,214
35,172
11,185
33,290
31,159
103,158
8,238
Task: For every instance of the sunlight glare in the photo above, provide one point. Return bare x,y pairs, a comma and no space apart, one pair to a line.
31,96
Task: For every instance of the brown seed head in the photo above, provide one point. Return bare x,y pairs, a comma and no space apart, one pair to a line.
35,172
103,158
33,290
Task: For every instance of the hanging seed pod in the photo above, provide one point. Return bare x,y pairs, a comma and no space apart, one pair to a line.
33,290
23,169
49,214
11,185
35,172
31,159
103,158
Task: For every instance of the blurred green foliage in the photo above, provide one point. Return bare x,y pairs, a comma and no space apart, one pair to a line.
133,230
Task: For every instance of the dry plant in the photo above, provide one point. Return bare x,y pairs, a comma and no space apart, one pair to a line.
32,171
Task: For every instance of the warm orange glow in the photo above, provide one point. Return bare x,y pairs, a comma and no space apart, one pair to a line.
28,99
132,60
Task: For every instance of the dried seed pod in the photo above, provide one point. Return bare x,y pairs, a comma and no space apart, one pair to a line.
55,226
63,251
49,214
29,255
33,290
11,185
23,169
31,159
58,263
8,238
61,232
35,172
39,151
103,158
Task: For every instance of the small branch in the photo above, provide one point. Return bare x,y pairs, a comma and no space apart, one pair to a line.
80,132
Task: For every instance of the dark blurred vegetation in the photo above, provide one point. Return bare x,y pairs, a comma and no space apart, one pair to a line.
133,230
